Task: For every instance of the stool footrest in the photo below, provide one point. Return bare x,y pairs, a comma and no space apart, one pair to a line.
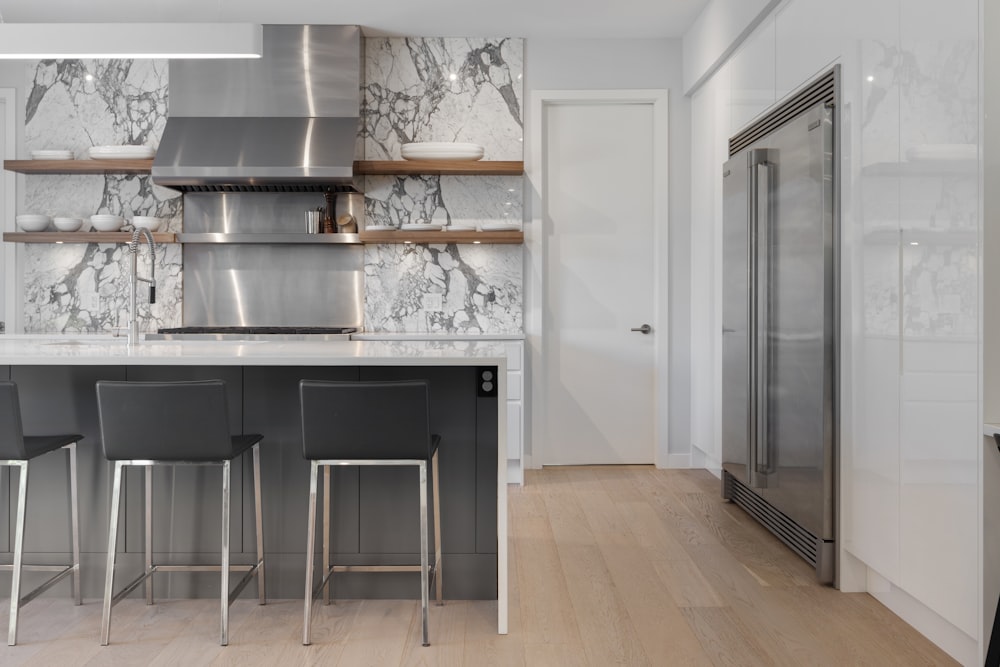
252,571
62,571
375,568
201,568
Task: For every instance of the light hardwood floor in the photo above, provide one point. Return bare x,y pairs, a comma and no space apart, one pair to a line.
609,566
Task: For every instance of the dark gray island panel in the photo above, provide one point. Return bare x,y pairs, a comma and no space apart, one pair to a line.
375,511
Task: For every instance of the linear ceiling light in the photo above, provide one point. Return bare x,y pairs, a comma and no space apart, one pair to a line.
42,41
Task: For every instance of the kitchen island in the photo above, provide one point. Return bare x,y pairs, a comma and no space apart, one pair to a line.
374,516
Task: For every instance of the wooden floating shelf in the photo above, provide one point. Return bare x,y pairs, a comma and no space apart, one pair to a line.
442,237
438,168
78,166
81,237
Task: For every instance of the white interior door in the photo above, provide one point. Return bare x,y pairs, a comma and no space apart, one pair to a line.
600,281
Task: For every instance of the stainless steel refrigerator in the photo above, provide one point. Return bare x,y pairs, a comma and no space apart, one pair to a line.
779,336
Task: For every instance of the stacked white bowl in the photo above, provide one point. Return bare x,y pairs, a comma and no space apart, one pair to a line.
33,222
107,223
67,224
147,222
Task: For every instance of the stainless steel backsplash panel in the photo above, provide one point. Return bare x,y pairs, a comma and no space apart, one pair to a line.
248,213
243,284
273,285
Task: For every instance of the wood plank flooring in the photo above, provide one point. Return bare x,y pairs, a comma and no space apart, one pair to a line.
609,566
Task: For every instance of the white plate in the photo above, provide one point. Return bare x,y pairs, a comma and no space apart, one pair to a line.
459,228
420,227
501,227
121,152
441,150
52,155
380,228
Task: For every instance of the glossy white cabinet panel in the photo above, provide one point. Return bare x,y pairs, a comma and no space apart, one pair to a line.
515,382
515,411
938,63
809,36
870,457
751,72
709,119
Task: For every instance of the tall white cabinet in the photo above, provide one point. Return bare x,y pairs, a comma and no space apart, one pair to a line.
910,331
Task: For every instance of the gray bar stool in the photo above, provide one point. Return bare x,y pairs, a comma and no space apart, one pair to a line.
173,423
17,449
340,428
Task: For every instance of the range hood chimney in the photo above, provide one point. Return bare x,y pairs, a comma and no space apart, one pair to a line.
288,121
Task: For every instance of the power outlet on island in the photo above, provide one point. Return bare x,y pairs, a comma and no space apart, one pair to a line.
433,303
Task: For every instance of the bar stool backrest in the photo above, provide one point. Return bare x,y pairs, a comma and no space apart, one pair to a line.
365,420
164,421
11,433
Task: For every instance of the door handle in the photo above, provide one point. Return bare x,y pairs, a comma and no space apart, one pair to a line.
644,329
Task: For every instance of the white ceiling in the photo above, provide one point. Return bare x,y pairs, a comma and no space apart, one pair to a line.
619,19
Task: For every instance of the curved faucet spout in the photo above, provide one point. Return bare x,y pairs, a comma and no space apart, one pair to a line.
134,278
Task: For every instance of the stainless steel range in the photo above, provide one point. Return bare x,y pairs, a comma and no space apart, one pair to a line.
254,333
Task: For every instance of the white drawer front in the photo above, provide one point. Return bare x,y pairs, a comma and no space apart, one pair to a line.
514,431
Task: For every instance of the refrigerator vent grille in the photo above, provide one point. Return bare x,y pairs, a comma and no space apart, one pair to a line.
794,536
822,90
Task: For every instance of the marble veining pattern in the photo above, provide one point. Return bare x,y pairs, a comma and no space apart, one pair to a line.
83,288
443,89
446,200
76,104
472,289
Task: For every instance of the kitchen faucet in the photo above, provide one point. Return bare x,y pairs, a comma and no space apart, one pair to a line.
134,278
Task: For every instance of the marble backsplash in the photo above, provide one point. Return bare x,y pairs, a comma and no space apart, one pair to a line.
448,89
443,89
76,104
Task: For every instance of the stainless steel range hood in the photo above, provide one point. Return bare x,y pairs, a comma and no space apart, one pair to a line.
286,122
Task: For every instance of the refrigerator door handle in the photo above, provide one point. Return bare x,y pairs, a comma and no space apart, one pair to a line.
759,206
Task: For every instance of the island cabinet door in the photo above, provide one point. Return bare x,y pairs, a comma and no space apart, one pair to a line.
389,507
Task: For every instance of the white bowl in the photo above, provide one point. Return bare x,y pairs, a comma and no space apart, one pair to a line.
149,222
67,224
31,222
107,223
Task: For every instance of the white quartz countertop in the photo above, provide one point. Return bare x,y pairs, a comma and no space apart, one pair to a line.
106,350
434,336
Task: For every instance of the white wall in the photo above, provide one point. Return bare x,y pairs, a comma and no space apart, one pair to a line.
629,64
909,428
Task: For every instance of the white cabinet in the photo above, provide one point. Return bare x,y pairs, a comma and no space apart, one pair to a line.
910,286
515,411
751,73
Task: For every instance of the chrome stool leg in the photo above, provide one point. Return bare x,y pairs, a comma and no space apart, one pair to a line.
148,493
310,547
109,577
225,552
15,586
424,565
326,535
74,520
436,489
259,517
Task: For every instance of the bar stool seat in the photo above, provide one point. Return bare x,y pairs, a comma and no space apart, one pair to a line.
17,449
339,428
174,423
